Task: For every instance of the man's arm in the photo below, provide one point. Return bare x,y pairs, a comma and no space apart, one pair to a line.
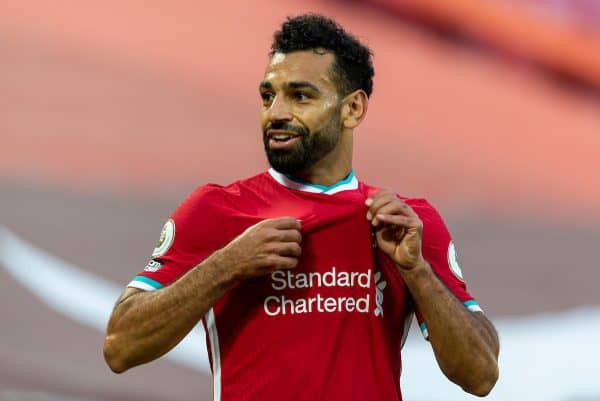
465,344
146,325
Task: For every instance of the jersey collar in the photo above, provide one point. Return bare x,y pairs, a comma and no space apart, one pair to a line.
348,183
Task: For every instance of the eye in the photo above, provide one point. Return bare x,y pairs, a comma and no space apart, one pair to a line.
301,96
267,97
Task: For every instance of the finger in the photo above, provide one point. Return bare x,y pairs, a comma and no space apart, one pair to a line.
381,193
407,210
378,203
393,206
390,208
396,206
289,236
285,249
277,262
284,223
399,220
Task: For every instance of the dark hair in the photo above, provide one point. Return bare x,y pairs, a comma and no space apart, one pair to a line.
352,68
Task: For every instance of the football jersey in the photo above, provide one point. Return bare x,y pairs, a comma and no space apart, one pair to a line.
330,329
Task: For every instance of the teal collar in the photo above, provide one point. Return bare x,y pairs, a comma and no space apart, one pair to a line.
348,183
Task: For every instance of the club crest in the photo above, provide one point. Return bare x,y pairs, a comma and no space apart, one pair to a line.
167,236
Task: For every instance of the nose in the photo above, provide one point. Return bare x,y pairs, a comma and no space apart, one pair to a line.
279,110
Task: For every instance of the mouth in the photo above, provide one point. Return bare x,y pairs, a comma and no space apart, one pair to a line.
280,135
279,139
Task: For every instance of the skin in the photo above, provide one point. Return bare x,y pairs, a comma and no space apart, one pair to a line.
146,325
298,89
282,102
465,344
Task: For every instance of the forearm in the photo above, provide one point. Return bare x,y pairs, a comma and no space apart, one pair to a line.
146,325
465,345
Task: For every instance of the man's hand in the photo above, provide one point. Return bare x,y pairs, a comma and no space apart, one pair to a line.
267,246
399,230
465,344
146,325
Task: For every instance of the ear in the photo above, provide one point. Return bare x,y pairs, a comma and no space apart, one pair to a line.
354,108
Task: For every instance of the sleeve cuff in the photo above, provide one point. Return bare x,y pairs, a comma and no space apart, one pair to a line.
473,306
145,283
424,331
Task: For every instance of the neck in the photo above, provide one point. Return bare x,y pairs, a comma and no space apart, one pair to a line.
324,176
334,167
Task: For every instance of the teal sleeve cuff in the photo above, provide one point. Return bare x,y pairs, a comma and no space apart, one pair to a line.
145,283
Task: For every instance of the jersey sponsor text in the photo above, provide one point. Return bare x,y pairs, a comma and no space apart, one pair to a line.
281,280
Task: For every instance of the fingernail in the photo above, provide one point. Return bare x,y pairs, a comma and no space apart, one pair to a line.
369,216
369,202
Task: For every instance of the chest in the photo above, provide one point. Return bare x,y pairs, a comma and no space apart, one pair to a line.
340,276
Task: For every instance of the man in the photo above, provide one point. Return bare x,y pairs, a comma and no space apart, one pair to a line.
305,278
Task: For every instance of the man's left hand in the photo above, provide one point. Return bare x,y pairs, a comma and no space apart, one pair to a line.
399,229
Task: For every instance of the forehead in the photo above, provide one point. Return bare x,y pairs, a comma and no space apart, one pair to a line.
305,65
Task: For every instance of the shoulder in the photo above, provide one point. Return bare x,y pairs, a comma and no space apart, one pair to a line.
425,210
254,184
435,232
212,192
201,199
209,198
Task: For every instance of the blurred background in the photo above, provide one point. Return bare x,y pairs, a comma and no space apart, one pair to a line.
111,112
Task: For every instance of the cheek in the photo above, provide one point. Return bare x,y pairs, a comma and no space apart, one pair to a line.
262,117
321,117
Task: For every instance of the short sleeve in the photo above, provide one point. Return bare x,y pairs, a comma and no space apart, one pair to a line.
440,252
190,235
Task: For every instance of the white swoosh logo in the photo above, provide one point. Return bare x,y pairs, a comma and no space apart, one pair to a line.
79,295
551,357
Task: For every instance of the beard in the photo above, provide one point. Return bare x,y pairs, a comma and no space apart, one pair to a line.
311,147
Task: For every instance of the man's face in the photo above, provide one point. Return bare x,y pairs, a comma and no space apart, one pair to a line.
300,114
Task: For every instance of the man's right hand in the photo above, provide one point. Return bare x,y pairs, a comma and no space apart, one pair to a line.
270,245
146,325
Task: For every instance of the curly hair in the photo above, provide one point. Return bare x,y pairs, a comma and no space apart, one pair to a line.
352,68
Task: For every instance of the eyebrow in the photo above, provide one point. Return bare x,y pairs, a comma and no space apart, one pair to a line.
303,85
264,85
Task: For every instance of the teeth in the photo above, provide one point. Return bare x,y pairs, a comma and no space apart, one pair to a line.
281,137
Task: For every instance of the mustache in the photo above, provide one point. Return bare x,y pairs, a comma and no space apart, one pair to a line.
284,126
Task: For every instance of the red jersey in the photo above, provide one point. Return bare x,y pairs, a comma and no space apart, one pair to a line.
330,329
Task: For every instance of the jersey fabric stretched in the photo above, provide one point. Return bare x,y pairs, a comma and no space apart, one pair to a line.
330,329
